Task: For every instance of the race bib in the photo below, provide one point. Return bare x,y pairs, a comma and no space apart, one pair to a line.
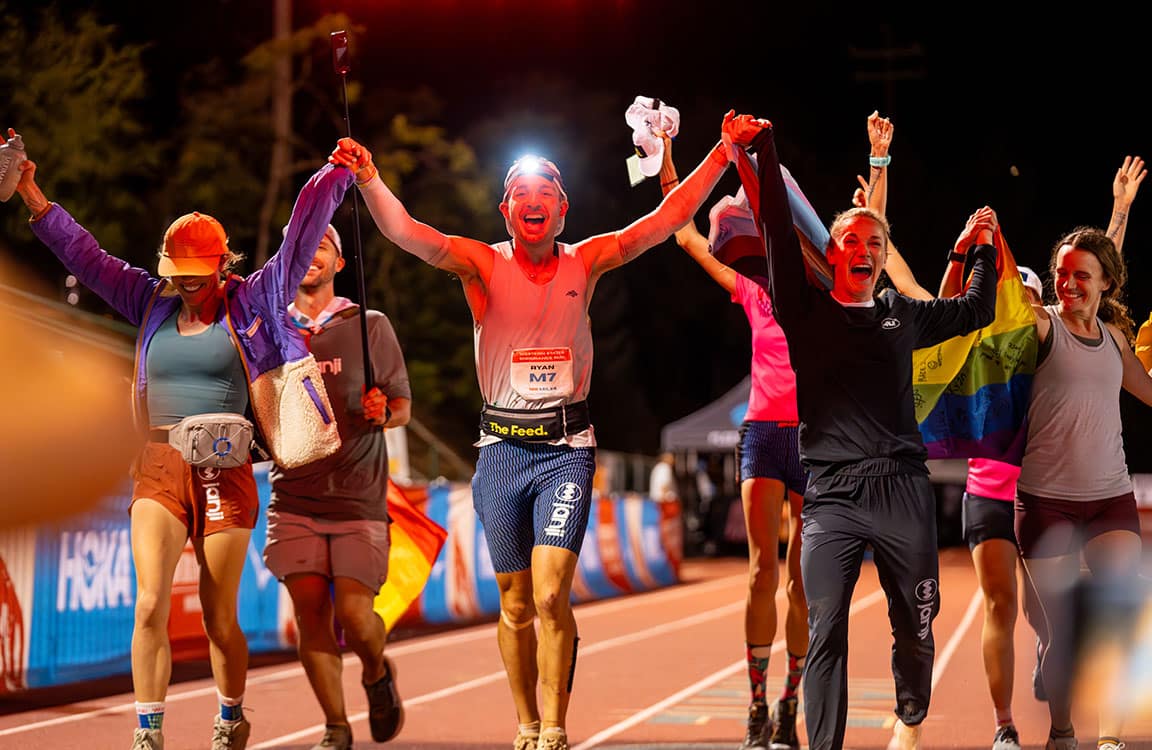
543,373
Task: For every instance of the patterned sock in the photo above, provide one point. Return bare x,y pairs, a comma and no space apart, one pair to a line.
758,671
1003,716
150,715
792,679
231,709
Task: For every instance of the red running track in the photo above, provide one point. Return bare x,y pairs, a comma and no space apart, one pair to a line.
662,670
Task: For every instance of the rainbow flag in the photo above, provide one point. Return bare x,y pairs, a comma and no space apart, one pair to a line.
416,543
972,392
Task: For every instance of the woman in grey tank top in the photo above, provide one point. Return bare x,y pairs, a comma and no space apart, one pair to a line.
1074,495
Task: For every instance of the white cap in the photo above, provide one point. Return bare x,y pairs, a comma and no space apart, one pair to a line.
643,115
1031,280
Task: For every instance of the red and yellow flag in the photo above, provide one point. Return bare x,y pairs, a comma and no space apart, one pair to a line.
415,545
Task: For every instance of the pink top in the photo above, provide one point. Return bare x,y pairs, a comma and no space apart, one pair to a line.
773,396
992,479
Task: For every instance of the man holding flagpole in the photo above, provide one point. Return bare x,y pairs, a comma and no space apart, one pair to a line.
328,522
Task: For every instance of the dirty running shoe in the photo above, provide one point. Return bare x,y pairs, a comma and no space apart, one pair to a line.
525,741
336,737
230,735
759,727
147,739
551,739
1060,743
782,716
905,737
385,709
1112,746
1006,738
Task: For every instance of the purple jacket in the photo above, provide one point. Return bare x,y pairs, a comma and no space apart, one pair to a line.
257,305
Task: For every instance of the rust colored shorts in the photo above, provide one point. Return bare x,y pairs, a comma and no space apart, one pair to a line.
205,499
1046,527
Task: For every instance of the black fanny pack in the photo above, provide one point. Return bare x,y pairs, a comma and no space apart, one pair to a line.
535,425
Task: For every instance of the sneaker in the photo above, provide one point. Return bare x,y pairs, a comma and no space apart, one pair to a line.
336,737
782,715
552,741
1006,738
1111,746
230,735
759,728
525,741
147,739
1060,743
385,709
905,737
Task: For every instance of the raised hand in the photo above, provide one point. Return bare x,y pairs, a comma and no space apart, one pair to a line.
880,130
1127,181
351,154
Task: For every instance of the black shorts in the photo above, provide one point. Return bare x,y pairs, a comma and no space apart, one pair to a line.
1047,527
987,518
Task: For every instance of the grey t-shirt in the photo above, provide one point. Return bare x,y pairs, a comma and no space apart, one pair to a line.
353,482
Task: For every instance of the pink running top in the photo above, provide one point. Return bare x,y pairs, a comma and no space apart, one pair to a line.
992,479
773,396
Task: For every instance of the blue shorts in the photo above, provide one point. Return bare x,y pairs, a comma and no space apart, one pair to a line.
987,518
529,494
771,450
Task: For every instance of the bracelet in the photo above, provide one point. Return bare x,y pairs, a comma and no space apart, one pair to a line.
673,181
879,161
372,172
956,257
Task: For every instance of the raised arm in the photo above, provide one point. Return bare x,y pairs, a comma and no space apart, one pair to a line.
976,308
459,255
678,207
880,131
788,283
1124,187
688,236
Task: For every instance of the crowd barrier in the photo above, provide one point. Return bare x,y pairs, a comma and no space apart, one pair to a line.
67,589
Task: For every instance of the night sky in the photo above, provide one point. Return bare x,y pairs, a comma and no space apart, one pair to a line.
1030,117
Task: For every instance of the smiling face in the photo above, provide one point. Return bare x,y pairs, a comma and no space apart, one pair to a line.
325,265
534,209
857,253
1080,280
195,291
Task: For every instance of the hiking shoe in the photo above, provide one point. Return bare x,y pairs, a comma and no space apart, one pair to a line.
230,735
336,737
1006,738
554,740
147,739
385,709
759,728
525,741
905,737
1060,743
782,716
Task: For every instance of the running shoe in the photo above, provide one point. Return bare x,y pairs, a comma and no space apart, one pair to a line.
1112,746
782,714
759,728
336,737
147,739
230,735
385,709
1060,743
525,741
1006,738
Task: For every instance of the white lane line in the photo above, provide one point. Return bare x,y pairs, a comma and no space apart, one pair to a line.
597,739
467,635
491,677
945,656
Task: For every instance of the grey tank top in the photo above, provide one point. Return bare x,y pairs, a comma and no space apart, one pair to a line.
534,344
1075,447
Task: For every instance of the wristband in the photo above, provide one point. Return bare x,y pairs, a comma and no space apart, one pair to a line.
956,257
879,161
673,181
371,171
